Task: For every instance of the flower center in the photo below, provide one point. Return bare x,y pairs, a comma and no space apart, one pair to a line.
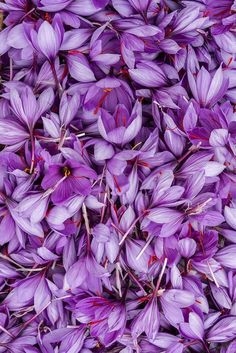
27,170
66,171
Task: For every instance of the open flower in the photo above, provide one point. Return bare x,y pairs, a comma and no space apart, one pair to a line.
68,178
107,93
106,318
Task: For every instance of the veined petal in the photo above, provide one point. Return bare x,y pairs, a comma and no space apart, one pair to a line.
79,68
47,40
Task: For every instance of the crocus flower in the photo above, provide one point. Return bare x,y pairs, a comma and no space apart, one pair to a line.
65,179
117,176
79,68
107,93
208,89
105,318
16,299
48,38
12,133
194,328
121,127
25,106
222,331
147,321
148,74
70,339
78,274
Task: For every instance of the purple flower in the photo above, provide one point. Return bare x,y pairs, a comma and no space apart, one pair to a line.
208,90
107,93
148,74
71,339
25,106
68,178
48,38
148,321
79,68
86,267
223,330
194,328
122,127
117,176
105,318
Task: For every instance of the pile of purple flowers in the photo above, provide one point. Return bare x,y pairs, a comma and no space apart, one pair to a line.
117,176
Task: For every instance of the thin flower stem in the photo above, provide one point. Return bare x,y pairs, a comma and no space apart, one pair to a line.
137,282
160,276
11,69
62,298
24,269
59,88
104,207
7,332
10,260
87,226
49,139
27,14
213,275
33,153
145,247
129,229
62,138
86,220
118,281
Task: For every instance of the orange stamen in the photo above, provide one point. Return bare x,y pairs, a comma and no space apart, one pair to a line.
48,17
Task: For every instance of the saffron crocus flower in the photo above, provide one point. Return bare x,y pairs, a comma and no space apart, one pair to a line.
148,321
122,127
223,330
16,298
68,178
79,67
208,89
70,339
187,21
117,174
34,206
148,74
79,273
48,39
194,328
69,106
26,107
105,242
12,133
105,318
107,93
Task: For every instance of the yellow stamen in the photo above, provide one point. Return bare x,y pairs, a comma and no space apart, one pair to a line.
66,171
27,170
